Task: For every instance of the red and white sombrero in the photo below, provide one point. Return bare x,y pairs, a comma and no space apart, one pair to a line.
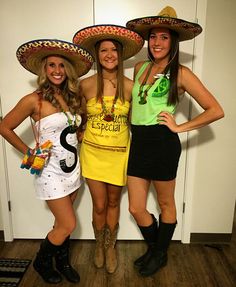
89,36
31,54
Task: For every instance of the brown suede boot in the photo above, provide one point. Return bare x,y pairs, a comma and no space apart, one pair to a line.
99,257
110,251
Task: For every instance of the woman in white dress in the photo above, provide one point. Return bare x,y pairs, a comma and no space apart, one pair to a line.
55,109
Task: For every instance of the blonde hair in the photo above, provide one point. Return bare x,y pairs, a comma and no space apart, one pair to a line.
69,88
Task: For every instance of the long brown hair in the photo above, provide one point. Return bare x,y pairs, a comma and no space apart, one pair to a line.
68,89
120,72
172,67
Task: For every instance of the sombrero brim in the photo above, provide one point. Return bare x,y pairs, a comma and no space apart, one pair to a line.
89,36
31,54
186,30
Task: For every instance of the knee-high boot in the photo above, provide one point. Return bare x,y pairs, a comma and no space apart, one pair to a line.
99,256
159,256
63,262
150,236
110,250
43,262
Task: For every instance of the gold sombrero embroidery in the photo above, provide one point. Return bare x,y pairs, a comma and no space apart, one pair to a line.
167,18
31,54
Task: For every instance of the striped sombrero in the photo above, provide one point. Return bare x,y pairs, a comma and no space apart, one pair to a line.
89,36
31,54
167,18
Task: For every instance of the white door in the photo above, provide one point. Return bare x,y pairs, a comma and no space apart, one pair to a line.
30,217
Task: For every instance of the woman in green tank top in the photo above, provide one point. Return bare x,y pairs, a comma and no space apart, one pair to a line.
155,147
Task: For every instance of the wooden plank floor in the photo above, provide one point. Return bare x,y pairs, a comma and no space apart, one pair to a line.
189,265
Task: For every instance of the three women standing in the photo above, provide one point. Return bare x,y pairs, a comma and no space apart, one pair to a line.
155,147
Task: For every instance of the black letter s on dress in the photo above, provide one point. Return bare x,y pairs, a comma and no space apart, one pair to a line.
65,132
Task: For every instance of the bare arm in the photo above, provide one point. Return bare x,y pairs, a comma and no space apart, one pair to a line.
212,110
24,108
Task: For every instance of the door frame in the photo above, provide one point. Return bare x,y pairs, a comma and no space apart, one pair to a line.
201,10
4,190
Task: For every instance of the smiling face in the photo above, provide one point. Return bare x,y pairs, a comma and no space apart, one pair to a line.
108,55
55,70
160,43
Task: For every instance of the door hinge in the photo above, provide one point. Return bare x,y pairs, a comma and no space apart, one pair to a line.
183,207
9,205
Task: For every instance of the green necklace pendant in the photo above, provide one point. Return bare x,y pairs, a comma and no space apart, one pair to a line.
143,96
142,100
71,123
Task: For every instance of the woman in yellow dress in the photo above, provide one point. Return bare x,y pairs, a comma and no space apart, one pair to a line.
105,145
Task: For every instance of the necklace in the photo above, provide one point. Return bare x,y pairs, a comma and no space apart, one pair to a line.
111,81
58,91
143,93
108,117
71,122
161,89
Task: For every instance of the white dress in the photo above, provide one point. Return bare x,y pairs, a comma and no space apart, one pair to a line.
61,176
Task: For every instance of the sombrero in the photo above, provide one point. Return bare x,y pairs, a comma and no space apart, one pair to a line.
167,18
31,54
89,36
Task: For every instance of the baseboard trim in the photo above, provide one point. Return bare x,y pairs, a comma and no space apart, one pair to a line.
210,237
194,237
1,235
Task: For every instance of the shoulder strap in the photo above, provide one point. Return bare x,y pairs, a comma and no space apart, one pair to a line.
141,70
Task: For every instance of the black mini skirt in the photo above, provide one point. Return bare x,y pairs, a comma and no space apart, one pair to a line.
154,153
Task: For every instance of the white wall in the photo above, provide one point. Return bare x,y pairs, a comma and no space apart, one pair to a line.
214,173
27,213
215,179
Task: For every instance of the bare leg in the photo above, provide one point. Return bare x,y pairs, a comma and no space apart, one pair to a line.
73,197
65,219
165,195
113,206
98,191
138,191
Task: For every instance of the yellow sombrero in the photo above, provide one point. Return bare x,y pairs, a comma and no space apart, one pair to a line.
89,36
167,18
31,54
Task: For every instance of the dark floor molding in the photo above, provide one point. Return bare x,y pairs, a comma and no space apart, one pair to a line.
210,237
1,235
194,238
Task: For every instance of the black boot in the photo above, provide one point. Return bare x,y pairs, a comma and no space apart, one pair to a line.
63,263
43,262
158,256
150,235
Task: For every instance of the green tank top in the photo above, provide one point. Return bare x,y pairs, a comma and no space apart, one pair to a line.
146,114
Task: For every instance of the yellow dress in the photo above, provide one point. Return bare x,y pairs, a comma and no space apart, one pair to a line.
105,146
